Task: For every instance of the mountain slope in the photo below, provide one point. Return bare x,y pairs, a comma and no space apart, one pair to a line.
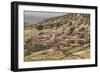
68,34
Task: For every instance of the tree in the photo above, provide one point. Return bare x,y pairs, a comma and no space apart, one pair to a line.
82,29
40,27
71,30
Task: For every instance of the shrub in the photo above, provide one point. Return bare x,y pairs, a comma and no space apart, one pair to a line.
71,30
39,47
40,27
82,29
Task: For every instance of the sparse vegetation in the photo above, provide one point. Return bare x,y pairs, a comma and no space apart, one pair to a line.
57,39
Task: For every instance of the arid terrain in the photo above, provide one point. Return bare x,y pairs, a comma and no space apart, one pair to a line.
65,37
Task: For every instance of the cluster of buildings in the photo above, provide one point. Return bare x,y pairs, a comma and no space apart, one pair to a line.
60,34
62,39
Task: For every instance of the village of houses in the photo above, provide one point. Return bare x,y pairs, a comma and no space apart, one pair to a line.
68,41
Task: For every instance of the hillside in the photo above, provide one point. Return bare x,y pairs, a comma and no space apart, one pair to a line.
64,37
